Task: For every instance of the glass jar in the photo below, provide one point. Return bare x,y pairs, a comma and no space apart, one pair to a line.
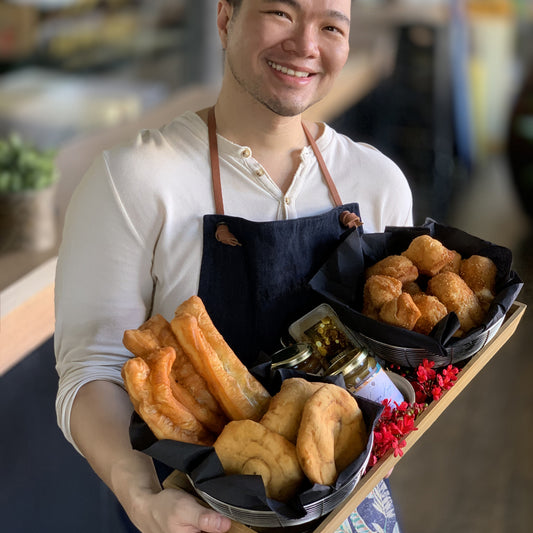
299,356
365,377
328,338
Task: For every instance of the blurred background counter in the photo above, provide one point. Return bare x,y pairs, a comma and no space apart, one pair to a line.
429,83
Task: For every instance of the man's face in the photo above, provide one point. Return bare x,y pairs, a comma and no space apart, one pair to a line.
286,54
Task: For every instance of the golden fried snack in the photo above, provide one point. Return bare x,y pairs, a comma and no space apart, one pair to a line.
332,434
479,273
412,288
377,291
459,298
454,265
240,395
250,386
188,386
431,310
428,254
141,343
149,387
395,266
285,410
247,447
401,312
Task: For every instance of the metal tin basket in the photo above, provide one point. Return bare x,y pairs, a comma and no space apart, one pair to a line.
412,357
314,510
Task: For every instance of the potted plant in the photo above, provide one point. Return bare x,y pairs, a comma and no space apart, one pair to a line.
27,196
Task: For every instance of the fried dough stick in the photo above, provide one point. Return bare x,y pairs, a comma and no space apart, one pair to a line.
188,386
149,387
249,387
231,385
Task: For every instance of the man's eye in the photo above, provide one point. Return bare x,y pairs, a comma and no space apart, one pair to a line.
333,29
279,14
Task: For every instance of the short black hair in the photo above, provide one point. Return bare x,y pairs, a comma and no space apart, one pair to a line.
235,3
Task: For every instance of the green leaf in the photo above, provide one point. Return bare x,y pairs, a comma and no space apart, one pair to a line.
22,166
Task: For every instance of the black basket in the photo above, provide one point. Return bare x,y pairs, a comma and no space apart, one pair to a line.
341,279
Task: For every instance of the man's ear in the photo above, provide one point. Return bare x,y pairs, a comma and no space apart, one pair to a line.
224,14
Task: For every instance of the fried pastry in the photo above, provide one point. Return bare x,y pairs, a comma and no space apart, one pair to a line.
454,265
459,298
332,434
479,273
428,254
247,447
401,312
377,291
141,342
239,394
395,266
188,386
285,410
149,387
432,311
251,388
412,288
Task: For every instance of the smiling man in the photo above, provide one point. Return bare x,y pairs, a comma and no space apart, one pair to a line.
285,55
245,183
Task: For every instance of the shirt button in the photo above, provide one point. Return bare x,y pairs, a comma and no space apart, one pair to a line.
246,152
288,201
259,172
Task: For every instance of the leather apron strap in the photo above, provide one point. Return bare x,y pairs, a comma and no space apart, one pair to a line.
347,218
215,164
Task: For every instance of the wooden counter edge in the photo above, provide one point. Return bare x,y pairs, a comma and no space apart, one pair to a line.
27,317
26,328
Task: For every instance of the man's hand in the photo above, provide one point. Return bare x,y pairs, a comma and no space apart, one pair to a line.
100,421
175,511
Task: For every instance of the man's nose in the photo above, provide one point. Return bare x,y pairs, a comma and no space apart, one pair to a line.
302,41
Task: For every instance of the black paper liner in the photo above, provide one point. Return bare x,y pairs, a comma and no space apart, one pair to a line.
341,280
247,492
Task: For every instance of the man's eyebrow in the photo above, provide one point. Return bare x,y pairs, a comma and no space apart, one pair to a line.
333,13
339,15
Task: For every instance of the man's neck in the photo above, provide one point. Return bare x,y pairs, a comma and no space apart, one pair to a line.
248,122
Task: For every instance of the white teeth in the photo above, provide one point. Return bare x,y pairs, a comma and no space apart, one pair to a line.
288,71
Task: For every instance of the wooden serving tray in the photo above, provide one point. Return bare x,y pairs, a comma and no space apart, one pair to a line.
331,522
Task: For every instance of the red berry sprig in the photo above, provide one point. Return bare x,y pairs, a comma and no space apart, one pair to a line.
398,420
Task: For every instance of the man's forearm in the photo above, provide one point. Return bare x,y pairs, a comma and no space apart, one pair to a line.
99,424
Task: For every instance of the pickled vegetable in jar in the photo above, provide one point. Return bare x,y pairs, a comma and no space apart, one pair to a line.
365,377
328,339
299,356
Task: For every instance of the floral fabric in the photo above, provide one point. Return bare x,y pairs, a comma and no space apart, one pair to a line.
375,514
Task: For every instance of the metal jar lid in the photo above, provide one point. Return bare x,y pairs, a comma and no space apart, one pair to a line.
348,361
291,355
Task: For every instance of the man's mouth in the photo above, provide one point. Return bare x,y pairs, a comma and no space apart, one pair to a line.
288,71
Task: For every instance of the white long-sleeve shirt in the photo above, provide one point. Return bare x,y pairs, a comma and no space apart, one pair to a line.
132,240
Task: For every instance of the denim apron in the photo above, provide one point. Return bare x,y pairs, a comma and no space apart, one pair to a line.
254,285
